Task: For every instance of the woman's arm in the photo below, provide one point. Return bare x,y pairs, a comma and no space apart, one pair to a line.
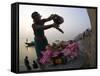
36,27
48,19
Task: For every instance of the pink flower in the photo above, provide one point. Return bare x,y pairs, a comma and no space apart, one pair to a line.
66,51
71,50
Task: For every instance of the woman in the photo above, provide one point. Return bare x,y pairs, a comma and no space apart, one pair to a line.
38,27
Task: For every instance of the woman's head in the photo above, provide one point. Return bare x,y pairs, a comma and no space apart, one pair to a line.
26,57
36,16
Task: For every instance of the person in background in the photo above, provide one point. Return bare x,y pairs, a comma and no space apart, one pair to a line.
27,63
35,65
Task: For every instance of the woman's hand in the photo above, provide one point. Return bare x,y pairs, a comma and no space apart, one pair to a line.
56,25
51,16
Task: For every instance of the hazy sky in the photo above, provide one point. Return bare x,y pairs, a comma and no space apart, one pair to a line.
76,20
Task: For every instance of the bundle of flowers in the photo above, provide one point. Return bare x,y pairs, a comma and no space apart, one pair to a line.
58,52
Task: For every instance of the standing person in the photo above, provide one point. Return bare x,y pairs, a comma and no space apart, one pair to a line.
35,65
38,27
27,64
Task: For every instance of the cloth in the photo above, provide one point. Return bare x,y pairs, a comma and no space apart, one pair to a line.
40,45
46,55
71,50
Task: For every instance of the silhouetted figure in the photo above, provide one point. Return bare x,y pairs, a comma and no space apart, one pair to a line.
27,64
35,65
38,27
